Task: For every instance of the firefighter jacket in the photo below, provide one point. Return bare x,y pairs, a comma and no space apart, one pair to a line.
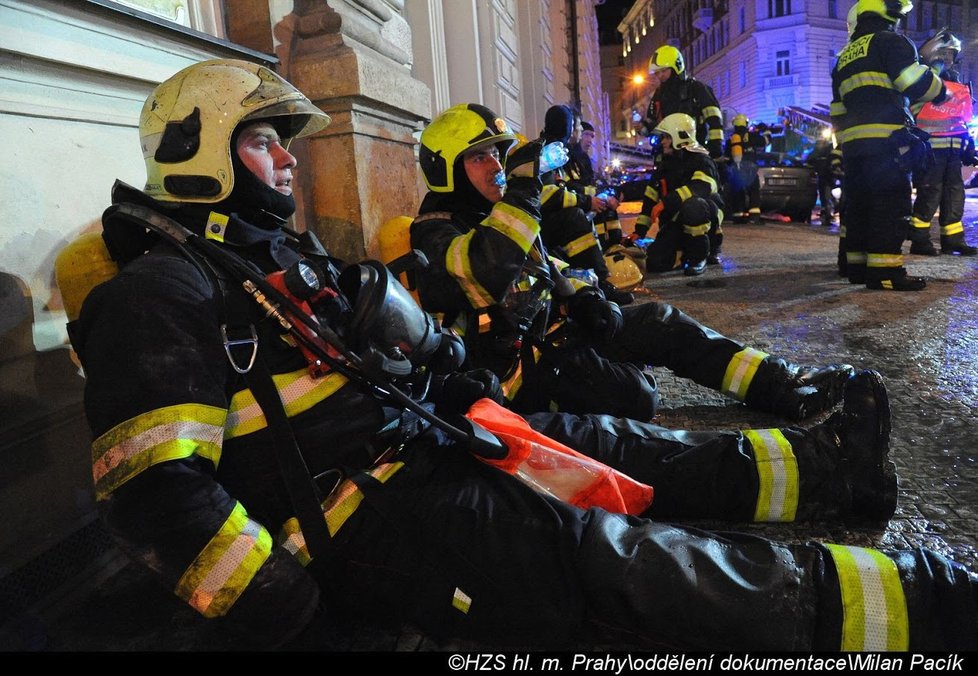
682,175
489,273
690,96
184,478
876,74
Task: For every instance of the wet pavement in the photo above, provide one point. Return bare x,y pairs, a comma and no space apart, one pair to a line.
778,291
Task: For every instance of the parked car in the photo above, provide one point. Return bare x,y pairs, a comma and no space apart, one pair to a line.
789,186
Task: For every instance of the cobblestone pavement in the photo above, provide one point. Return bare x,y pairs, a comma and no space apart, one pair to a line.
777,291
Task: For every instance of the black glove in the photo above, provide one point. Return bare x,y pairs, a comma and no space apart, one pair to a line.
715,147
524,162
460,390
599,318
969,157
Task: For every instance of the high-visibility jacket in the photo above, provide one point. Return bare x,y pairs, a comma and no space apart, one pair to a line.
947,122
875,75
677,178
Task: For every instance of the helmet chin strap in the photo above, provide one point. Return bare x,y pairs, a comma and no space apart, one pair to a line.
254,201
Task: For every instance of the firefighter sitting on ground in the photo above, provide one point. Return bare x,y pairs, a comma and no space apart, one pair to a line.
566,226
682,196
492,277
210,417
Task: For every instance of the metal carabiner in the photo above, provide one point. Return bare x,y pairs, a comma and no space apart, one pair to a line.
228,344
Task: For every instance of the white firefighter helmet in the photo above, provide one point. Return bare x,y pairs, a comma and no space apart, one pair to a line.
623,272
944,42
187,122
681,128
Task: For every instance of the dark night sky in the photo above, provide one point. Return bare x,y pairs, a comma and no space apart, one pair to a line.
610,13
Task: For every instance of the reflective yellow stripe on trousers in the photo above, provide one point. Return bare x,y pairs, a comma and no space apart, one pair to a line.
740,372
874,608
777,475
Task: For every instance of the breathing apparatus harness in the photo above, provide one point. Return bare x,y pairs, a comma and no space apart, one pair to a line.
383,365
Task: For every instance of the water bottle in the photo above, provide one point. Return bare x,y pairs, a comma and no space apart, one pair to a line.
553,156
587,275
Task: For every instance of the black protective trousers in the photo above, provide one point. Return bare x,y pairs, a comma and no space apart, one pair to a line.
603,379
673,244
878,204
941,187
464,550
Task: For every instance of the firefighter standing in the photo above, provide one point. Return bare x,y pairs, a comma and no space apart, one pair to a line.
190,482
827,163
941,187
677,92
683,197
874,76
742,179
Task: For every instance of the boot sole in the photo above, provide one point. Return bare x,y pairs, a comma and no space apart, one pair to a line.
833,395
878,509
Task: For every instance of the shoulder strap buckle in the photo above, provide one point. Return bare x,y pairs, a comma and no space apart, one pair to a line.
231,343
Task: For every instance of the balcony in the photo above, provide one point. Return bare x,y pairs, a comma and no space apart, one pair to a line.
780,81
703,19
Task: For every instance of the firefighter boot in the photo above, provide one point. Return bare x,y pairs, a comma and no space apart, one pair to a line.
955,244
797,392
716,243
695,252
863,426
920,244
893,279
848,474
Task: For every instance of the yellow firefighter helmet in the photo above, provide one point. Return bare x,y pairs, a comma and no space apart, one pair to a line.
891,10
667,56
455,131
187,122
624,273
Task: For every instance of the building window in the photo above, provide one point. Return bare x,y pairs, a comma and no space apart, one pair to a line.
743,20
201,15
742,68
833,9
784,62
778,7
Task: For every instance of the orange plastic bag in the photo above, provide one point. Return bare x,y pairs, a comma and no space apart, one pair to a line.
556,469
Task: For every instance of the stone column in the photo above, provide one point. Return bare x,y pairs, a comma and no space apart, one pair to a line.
353,59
